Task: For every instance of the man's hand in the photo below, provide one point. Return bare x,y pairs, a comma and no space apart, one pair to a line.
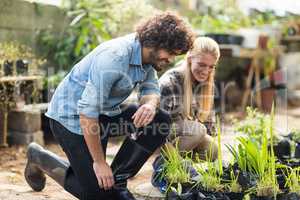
144,115
104,175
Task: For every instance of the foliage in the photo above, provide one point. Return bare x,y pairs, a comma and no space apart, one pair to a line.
88,27
127,14
54,80
210,178
175,168
295,136
12,51
258,158
91,23
233,185
211,172
254,124
220,20
216,19
293,180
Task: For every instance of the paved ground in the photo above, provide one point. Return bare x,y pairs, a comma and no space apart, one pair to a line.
12,162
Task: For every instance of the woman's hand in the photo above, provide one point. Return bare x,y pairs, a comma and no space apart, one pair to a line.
104,175
144,115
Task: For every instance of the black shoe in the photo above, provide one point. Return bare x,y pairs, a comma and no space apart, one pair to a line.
126,164
41,162
34,176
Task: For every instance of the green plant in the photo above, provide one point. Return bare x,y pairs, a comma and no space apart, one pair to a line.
175,168
211,172
258,158
254,124
293,180
54,80
91,23
295,135
13,51
233,185
89,26
210,179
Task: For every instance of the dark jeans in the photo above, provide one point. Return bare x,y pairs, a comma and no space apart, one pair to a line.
80,179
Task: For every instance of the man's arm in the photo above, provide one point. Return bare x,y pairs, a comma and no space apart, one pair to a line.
91,133
152,99
104,72
149,100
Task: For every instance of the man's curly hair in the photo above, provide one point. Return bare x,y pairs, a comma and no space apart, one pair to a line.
166,31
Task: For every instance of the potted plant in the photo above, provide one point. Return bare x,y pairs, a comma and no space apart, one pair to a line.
176,173
254,125
8,68
22,67
212,182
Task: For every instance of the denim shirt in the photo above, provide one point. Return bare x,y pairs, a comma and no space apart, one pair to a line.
101,81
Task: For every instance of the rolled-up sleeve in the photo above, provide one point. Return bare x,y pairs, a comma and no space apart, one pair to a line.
104,72
150,83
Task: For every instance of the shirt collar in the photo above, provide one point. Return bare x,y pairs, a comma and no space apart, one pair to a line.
136,55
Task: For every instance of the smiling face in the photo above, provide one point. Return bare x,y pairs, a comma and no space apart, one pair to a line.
201,66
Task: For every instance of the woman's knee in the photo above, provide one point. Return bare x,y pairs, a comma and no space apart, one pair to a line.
208,148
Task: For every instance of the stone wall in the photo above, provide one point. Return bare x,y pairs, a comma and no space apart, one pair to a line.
21,20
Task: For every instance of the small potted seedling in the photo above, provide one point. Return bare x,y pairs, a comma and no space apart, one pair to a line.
293,183
295,137
211,183
176,173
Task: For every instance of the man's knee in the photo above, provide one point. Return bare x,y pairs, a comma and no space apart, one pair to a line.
130,108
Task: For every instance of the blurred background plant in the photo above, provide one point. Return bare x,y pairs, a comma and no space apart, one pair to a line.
13,55
90,23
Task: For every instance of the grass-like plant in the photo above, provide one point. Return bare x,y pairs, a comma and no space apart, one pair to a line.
293,180
234,186
175,168
211,172
176,171
258,158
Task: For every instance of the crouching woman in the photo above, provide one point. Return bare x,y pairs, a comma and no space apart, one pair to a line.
187,94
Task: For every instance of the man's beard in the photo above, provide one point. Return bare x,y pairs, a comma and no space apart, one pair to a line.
155,61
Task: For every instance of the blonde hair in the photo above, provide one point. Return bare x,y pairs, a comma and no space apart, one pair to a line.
202,45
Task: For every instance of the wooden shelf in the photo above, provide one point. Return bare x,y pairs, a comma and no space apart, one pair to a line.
291,38
19,78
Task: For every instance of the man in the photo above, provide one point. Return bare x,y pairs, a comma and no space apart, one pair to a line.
86,109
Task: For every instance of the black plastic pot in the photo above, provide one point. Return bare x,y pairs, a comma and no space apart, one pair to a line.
281,180
282,149
8,68
203,195
22,67
226,38
235,196
246,180
185,196
289,196
293,163
254,197
297,150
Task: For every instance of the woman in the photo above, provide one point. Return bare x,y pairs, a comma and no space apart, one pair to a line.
187,95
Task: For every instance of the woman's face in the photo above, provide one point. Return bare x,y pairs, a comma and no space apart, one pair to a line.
201,66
